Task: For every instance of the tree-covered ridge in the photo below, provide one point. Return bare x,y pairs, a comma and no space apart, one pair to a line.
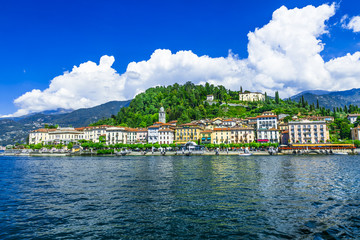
187,102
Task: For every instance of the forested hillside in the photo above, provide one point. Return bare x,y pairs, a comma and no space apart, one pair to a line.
188,102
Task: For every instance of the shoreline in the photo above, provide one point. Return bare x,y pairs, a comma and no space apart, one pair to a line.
172,154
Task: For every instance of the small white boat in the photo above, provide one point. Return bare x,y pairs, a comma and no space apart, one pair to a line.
340,153
245,154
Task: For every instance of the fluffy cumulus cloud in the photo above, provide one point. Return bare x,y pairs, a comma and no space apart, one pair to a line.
353,24
284,55
85,86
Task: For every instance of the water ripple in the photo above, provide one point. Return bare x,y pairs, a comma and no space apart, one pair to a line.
149,197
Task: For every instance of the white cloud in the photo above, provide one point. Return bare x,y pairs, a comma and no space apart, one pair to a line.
85,86
353,24
284,56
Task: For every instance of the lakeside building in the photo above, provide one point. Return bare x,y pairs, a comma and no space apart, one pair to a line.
284,137
65,135
187,132
166,136
153,134
116,135
141,135
355,133
242,135
93,133
221,135
308,132
271,135
131,135
205,136
251,97
40,135
352,117
266,127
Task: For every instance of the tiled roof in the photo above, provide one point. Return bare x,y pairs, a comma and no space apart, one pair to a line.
166,130
222,129
154,126
263,116
206,131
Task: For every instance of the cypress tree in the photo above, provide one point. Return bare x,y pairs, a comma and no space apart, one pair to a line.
277,98
302,101
317,104
345,109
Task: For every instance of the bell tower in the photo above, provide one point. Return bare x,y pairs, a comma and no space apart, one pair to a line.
162,116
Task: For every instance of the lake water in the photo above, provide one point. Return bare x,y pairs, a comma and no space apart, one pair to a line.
179,197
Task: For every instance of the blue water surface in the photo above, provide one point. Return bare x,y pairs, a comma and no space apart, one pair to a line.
180,197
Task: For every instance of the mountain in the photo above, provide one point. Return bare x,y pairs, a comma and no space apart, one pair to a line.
331,99
17,129
315,92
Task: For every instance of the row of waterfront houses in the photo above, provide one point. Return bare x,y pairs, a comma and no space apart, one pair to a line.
267,127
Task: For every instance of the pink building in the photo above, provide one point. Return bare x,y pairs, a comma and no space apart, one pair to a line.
308,132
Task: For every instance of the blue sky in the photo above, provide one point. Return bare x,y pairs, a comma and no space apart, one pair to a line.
40,40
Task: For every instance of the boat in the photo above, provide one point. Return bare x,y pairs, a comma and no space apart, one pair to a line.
245,154
340,153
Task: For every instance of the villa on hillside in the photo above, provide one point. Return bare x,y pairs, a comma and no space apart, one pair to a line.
210,97
251,97
352,117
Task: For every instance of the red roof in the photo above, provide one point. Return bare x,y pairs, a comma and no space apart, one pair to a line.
263,116
154,126
166,130
206,131
222,129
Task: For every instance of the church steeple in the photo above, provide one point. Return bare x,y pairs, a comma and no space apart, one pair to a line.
162,116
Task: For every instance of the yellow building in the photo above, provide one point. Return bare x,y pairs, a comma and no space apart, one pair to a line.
221,135
187,132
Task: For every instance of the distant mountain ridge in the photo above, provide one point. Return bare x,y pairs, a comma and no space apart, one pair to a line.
17,129
331,99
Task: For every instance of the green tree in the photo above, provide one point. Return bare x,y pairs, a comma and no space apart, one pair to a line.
277,98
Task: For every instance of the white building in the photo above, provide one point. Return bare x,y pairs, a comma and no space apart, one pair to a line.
251,97
266,121
266,126
166,136
65,135
40,135
268,135
229,123
153,134
242,135
141,135
93,133
352,117
131,135
210,97
116,135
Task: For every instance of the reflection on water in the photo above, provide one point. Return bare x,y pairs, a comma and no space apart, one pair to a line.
273,197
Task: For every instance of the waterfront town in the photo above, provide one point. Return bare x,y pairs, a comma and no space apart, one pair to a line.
266,128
